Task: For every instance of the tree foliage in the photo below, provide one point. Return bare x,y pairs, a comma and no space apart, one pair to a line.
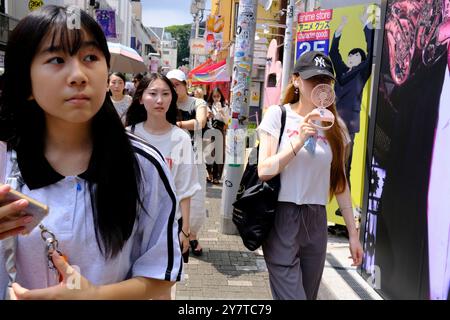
181,33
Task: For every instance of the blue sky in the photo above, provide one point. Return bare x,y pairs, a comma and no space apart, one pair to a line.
163,13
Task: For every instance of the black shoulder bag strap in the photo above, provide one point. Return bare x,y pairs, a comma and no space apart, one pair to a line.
283,123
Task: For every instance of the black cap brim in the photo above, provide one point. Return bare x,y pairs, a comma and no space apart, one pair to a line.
305,75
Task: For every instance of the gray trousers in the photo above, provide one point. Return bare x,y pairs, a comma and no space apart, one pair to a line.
295,251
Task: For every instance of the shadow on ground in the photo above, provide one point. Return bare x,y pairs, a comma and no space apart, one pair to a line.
233,263
215,193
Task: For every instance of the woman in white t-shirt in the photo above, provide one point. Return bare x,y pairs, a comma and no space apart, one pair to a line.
192,117
152,116
295,249
120,100
219,116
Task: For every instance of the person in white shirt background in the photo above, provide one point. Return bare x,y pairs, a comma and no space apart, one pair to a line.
120,100
198,93
218,117
111,199
192,116
152,116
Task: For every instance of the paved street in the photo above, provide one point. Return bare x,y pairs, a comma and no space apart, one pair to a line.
227,270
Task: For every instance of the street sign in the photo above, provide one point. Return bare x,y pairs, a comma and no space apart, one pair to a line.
198,46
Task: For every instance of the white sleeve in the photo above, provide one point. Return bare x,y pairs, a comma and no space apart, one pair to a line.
2,161
157,247
200,103
185,175
271,122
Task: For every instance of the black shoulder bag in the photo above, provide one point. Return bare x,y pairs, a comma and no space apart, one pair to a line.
254,208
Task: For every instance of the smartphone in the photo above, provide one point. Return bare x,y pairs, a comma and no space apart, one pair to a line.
35,208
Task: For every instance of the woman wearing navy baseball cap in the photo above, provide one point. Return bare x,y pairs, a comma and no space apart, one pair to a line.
295,250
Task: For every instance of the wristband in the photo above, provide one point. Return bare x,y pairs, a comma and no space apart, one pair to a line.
292,148
186,235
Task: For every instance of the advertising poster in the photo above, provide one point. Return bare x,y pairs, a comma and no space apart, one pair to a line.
313,31
407,230
107,20
346,35
35,4
214,33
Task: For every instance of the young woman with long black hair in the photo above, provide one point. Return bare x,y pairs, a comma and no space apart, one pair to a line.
111,198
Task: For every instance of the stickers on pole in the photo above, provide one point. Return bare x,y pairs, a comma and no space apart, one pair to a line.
235,147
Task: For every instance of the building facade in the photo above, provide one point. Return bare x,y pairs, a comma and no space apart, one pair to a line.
165,46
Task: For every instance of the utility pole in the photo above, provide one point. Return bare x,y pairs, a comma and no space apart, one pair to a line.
288,40
197,8
310,5
240,90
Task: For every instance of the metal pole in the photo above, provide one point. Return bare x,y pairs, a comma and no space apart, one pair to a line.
236,134
310,5
288,40
191,56
197,26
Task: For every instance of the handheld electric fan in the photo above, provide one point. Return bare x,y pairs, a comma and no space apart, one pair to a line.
322,96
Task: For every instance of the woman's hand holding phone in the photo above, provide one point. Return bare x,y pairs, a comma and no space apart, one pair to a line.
18,212
12,222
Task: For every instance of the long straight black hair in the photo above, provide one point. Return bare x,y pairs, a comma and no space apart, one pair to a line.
22,123
136,112
214,91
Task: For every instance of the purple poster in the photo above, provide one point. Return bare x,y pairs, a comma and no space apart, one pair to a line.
107,20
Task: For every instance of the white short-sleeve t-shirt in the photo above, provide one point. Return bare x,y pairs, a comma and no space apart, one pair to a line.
191,104
122,105
176,147
306,178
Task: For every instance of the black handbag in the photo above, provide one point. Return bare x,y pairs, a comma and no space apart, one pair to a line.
256,201
217,124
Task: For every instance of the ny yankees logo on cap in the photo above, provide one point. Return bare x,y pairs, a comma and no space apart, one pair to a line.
314,63
320,62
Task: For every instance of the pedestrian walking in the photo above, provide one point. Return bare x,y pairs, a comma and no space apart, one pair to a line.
192,117
198,93
111,198
219,117
152,116
295,249
119,98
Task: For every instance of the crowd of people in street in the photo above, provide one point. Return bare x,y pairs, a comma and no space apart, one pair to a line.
192,114
124,168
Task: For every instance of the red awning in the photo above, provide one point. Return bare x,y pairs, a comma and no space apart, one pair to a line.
204,64
217,72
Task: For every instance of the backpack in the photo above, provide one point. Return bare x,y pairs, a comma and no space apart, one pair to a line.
256,200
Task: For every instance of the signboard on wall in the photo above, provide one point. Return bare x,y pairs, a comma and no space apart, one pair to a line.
198,46
35,4
255,94
107,20
214,33
313,31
